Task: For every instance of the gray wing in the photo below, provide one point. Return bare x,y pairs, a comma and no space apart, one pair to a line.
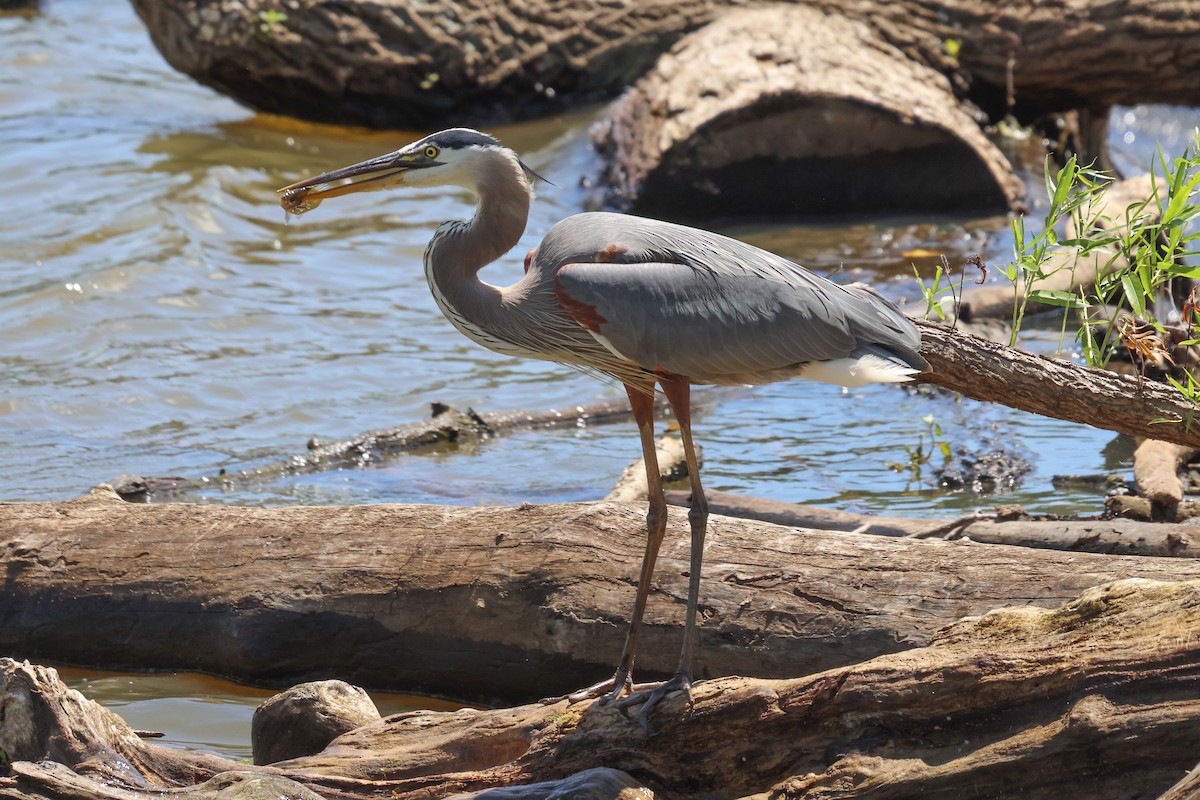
694,303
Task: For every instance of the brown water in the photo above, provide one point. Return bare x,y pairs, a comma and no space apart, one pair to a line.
200,712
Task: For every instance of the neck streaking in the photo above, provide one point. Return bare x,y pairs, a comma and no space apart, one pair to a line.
459,250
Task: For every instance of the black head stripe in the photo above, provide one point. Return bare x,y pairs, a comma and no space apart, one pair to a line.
458,138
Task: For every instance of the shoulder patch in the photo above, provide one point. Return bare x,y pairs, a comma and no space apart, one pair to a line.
584,313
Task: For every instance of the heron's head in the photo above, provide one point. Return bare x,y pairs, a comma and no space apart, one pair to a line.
459,156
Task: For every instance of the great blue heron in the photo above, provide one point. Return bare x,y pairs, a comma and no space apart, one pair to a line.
640,300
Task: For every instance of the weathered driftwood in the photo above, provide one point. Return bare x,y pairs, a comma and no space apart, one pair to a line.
1188,787
1113,536
418,597
397,64
1156,472
1096,698
797,515
631,486
446,427
789,109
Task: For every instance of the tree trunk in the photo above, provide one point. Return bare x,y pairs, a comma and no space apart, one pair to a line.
1096,698
419,597
399,64
789,110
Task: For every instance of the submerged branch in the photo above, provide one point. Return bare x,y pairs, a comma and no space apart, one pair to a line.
447,427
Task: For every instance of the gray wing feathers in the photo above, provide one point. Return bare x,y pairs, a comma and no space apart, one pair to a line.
703,305
690,321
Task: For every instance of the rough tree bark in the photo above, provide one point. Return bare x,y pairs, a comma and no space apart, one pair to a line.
418,597
399,64
1096,698
902,82
988,371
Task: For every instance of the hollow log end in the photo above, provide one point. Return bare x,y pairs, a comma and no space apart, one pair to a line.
805,155
791,110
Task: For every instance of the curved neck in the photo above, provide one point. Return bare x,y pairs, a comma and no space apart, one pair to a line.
460,249
504,200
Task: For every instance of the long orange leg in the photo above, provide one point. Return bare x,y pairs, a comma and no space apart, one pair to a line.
641,399
678,392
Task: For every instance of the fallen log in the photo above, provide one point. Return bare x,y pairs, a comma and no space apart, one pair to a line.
797,515
484,603
792,110
1096,698
1113,536
990,372
396,64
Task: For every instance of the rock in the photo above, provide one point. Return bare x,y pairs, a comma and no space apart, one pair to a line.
306,718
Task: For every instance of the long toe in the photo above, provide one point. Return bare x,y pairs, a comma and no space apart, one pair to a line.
606,691
648,698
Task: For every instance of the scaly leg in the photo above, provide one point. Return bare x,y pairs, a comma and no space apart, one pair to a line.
678,392
641,399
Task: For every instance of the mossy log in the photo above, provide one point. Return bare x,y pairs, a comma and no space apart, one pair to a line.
487,604
1096,698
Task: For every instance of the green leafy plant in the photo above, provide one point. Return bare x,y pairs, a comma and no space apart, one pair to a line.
1076,195
929,441
1139,258
271,20
1154,247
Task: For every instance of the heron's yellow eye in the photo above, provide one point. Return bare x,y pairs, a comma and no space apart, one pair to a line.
431,152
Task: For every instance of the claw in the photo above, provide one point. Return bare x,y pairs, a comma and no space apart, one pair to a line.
647,699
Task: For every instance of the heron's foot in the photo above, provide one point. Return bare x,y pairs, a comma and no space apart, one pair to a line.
610,689
646,699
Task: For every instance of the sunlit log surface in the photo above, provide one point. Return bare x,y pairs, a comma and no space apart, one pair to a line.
488,604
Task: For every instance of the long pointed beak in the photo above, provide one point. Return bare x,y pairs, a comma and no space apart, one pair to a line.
364,176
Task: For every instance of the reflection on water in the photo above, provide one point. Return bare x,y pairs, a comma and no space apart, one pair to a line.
200,712
159,317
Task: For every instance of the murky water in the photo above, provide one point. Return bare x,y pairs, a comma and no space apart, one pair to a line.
199,712
158,317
